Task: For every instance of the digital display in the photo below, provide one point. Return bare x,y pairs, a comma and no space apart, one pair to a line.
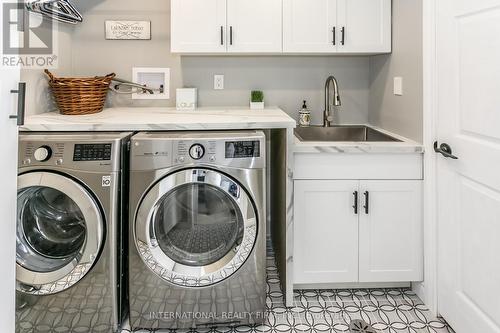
92,152
242,149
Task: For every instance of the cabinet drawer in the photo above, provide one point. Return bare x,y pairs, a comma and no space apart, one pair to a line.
358,166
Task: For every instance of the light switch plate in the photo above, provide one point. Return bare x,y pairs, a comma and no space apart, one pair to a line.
219,82
398,86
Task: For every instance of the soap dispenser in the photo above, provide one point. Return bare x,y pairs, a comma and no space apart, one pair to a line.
304,116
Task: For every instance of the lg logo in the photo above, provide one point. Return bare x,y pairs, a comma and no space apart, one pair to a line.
106,181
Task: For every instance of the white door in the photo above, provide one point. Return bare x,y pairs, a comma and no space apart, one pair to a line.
310,26
468,52
198,26
364,26
390,231
9,79
325,231
254,26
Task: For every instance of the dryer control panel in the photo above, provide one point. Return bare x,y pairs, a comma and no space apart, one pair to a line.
234,149
242,149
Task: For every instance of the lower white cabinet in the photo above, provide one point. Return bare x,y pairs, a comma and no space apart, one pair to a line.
324,231
390,231
348,231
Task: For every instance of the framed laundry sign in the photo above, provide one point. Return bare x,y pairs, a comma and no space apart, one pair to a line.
128,30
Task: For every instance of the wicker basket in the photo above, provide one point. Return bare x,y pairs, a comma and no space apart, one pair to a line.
79,96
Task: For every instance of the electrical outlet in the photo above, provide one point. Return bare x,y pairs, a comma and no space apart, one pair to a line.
219,82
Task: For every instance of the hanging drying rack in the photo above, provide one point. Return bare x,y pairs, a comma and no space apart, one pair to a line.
134,87
59,10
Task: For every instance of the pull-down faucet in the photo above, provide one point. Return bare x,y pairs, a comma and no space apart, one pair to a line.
328,115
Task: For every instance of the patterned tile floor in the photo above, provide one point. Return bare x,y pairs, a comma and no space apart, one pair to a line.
387,310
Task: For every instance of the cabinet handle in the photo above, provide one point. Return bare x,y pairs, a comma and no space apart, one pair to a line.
21,103
343,36
221,35
231,35
355,202
334,36
367,202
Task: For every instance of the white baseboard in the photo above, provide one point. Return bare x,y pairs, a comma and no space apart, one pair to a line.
301,286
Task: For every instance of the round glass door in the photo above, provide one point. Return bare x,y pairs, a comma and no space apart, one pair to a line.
195,227
197,224
50,231
59,232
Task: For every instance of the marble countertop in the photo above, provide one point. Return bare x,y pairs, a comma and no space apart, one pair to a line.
211,118
162,119
405,146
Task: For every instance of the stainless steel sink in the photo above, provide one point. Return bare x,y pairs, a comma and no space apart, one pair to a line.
342,133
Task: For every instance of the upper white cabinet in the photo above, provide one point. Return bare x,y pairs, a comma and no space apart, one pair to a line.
364,26
337,26
309,26
198,26
281,26
254,26
226,26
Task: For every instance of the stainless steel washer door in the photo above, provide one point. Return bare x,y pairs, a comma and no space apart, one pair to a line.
59,233
195,227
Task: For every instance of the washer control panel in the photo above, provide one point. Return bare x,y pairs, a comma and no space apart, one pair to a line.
42,153
92,152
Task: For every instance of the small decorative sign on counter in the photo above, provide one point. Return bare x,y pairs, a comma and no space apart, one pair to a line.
128,30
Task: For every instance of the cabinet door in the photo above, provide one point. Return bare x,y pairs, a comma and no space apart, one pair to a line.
310,26
9,79
254,26
366,26
198,26
390,231
325,232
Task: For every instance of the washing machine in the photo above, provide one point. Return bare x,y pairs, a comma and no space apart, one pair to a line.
71,194
197,230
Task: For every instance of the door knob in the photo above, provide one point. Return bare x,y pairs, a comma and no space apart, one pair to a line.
445,150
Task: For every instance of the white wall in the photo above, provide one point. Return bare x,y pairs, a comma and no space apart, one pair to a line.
38,97
400,114
286,81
